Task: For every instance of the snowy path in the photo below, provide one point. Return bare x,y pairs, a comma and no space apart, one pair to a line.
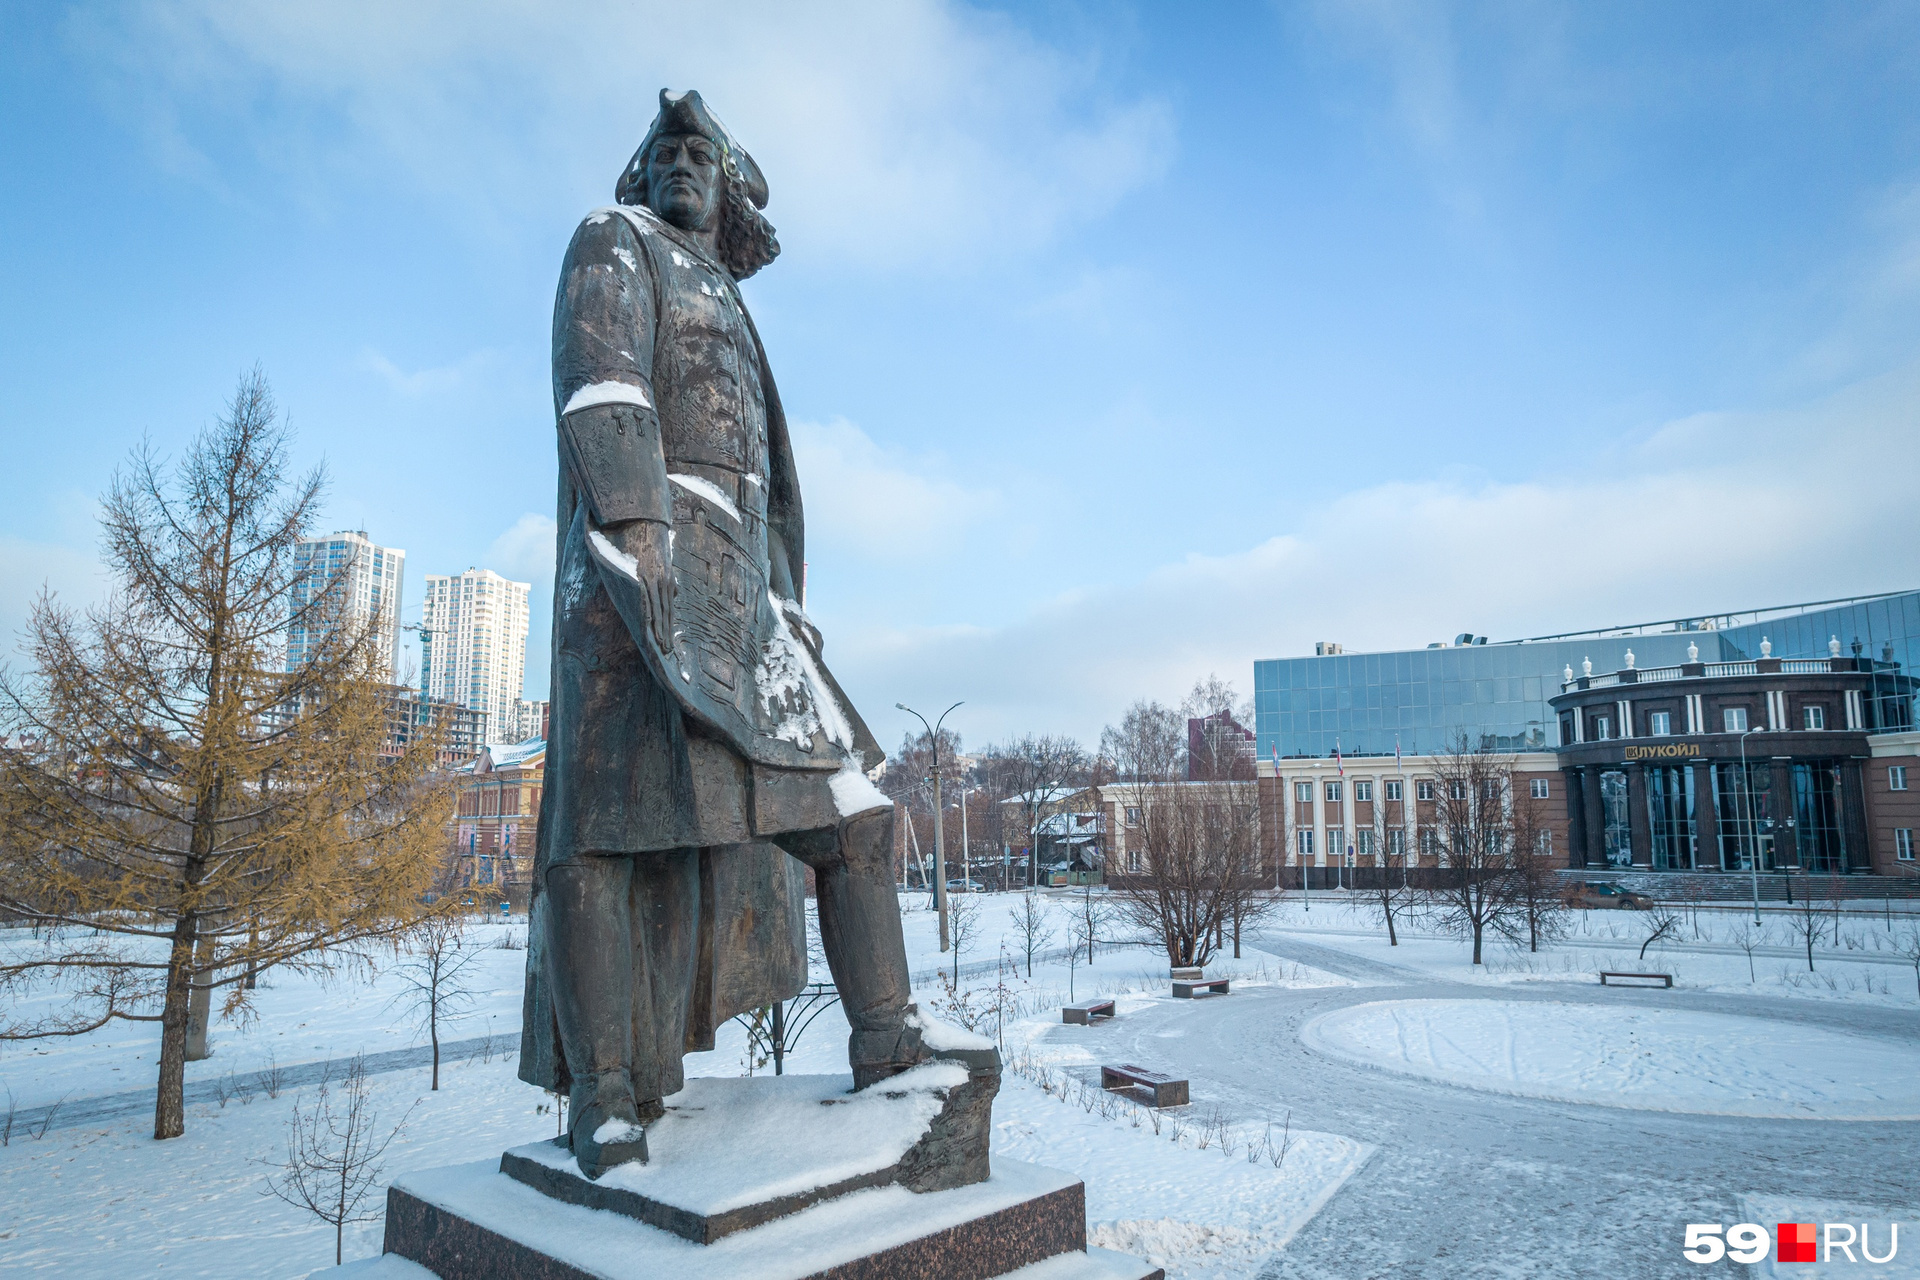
109,1106
1468,1183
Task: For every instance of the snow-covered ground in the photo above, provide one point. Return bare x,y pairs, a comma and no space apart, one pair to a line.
1191,1189
296,1018
1342,1050
1857,960
1648,1059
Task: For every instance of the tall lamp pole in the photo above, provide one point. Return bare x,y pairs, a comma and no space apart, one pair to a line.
939,842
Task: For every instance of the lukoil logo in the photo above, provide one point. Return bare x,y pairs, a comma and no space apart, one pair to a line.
1747,1242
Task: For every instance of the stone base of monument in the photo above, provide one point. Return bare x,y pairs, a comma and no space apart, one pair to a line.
790,1178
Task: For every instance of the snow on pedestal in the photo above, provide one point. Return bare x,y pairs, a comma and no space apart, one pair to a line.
811,1137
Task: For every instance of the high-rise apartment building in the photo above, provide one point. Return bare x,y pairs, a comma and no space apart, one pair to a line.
473,645
373,578
529,720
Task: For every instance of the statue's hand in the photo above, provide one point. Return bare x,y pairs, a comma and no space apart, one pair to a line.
650,544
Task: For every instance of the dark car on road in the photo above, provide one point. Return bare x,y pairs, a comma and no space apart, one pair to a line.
1605,894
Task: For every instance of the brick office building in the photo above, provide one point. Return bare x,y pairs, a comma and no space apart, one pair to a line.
1324,817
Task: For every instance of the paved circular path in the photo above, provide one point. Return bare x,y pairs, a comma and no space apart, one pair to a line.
1466,1183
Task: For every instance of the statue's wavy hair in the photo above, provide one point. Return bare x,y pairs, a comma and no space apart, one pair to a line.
746,241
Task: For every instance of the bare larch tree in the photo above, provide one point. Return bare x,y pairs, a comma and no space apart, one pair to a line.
196,803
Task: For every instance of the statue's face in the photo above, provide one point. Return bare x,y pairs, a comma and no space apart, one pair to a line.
684,180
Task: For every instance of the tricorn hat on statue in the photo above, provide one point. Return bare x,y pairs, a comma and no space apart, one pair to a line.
746,239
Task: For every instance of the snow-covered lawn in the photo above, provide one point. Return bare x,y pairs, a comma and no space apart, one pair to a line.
1859,961
297,1018
1647,1059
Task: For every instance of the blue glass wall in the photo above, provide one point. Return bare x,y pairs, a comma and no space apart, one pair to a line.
1497,694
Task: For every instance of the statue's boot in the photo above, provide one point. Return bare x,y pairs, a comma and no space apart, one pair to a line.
605,1123
590,971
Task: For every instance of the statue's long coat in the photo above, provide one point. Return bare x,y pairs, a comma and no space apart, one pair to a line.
731,738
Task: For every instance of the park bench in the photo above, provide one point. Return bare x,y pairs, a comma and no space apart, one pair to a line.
1183,990
1167,1090
1634,979
1086,1011
1182,973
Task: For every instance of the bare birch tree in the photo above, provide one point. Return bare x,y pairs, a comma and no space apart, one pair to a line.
1473,888
433,974
333,1155
1393,894
1539,908
1035,769
189,803
1196,840
1030,924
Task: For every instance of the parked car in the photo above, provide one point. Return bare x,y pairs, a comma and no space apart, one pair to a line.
965,886
1604,894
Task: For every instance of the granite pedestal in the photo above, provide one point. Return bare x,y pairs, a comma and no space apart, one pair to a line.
789,1178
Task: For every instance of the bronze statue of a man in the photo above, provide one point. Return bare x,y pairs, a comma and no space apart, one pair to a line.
697,739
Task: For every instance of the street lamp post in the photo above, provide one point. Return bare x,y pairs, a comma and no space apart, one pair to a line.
939,843
1753,835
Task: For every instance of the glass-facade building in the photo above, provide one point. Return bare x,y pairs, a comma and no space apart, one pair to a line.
1496,694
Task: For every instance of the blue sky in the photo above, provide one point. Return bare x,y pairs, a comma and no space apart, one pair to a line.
1123,343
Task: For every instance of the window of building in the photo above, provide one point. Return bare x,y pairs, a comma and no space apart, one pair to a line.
1303,838
1537,788
1492,790
1616,829
1333,793
1362,792
1423,789
1602,728
1819,831
1896,777
1396,844
1133,860
1303,792
1659,724
1364,839
1429,844
1735,719
1133,815
1903,843
1816,717
1393,791
1543,844
1670,820
1457,789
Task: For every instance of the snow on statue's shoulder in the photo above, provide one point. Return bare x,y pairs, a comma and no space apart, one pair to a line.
937,1035
606,393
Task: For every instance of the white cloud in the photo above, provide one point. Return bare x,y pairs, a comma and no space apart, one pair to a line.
525,552
419,382
891,130
1716,512
864,500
